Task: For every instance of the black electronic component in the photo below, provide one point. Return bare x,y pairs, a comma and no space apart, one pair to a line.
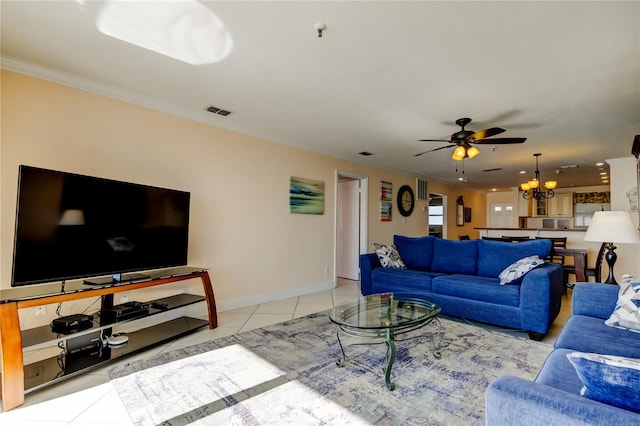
160,305
124,311
72,323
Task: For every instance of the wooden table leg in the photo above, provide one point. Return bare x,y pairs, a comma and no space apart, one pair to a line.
211,300
11,357
579,261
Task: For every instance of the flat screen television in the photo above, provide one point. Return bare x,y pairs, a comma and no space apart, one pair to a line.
70,226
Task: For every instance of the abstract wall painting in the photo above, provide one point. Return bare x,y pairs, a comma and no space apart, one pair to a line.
306,196
386,201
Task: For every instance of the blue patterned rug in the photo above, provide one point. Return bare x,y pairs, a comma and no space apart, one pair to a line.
287,374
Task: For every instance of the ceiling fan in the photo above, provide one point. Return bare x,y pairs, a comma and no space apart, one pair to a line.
463,139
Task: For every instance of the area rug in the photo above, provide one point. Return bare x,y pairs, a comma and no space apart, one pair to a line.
287,374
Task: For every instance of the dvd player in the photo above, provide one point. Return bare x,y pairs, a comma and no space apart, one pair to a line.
125,311
71,323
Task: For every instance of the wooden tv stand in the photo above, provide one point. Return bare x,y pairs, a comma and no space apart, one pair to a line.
13,340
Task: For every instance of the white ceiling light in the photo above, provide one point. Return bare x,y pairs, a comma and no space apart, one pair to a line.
184,30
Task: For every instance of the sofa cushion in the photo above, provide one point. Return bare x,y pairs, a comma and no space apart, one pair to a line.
609,379
495,256
455,257
416,252
389,257
559,373
590,334
514,272
627,311
401,280
476,288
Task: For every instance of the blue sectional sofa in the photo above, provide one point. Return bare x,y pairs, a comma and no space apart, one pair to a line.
462,276
553,397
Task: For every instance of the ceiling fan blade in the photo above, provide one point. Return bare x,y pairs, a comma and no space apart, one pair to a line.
433,140
437,149
499,141
485,134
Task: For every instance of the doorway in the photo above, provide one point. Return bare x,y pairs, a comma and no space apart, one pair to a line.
437,215
351,223
502,215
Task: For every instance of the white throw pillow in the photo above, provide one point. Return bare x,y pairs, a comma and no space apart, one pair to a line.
519,268
389,256
626,314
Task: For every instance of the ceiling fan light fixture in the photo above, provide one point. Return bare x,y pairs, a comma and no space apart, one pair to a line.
459,153
472,151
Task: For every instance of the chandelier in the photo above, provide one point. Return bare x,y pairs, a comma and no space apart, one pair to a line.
532,188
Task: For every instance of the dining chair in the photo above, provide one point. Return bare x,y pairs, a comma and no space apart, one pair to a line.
556,242
595,272
514,239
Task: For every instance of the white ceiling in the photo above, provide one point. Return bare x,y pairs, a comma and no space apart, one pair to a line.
565,75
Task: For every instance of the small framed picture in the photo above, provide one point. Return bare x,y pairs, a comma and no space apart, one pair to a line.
467,214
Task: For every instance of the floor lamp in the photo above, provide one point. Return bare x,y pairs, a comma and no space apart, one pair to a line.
612,227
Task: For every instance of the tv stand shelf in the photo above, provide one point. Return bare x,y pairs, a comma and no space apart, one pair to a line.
33,338
18,378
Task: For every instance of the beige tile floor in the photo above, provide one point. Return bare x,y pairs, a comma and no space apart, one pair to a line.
90,399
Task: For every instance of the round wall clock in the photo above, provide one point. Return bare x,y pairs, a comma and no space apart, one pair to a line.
406,200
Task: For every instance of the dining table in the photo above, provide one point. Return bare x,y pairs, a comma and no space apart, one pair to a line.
579,260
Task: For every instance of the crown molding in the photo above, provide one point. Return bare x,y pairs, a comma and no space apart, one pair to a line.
91,86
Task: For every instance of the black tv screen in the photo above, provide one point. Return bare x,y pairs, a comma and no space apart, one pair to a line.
70,226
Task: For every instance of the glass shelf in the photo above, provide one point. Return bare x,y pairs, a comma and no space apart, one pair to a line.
66,365
38,337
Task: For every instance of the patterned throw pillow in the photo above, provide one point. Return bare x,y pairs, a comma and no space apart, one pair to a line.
389,256
626,314
519,268
614,380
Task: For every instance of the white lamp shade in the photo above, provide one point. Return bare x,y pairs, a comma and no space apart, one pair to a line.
612,227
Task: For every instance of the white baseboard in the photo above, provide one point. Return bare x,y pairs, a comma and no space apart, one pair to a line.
256,299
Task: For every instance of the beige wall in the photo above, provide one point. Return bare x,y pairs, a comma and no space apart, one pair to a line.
241,227
623,177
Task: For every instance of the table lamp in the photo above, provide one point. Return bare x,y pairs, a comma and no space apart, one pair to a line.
612,227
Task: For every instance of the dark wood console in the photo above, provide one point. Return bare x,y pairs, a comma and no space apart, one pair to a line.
18,378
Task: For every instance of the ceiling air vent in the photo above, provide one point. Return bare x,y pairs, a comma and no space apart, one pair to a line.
365,153
493,170
217,110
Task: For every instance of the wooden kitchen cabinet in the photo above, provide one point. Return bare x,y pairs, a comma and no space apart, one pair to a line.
524,206
561,205
539,207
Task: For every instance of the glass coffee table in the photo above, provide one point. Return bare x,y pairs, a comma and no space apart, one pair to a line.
381,317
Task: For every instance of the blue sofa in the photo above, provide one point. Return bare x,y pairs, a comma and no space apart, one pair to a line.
553,397
462,276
